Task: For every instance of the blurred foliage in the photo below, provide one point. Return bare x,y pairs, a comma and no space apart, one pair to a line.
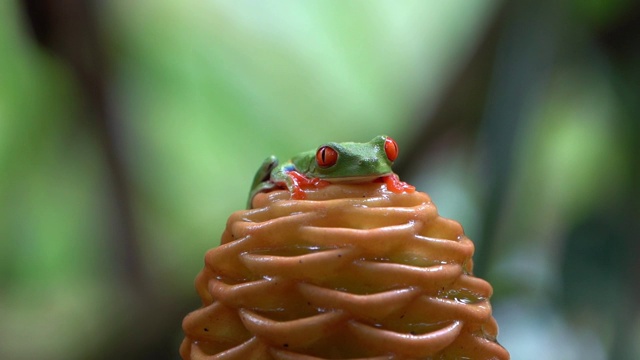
123,152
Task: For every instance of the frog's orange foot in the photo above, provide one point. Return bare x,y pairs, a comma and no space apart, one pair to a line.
302,183
297,193
396,186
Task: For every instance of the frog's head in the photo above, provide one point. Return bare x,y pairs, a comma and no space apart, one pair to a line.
349,161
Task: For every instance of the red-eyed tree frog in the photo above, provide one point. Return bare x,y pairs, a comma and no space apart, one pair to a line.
332,163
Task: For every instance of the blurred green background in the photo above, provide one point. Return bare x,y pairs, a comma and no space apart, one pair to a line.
130,131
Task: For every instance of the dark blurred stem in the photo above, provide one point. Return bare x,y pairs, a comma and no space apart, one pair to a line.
69,29
455,117
620,44
524,58
457,108
511,62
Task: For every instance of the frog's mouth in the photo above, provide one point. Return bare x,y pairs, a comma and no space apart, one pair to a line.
357,179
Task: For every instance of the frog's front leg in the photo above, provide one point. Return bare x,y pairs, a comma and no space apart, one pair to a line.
300,183
287,176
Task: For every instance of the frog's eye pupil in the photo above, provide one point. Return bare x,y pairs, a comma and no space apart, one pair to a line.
391,148
326,156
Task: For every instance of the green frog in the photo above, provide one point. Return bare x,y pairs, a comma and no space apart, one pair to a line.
346,162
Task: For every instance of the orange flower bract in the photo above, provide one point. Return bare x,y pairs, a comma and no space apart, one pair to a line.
353,271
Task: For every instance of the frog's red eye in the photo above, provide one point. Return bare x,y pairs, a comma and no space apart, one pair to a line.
391,148
326,156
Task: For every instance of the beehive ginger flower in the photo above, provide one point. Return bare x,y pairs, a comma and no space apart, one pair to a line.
351,271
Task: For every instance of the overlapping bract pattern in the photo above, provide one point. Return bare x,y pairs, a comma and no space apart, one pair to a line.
353,272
